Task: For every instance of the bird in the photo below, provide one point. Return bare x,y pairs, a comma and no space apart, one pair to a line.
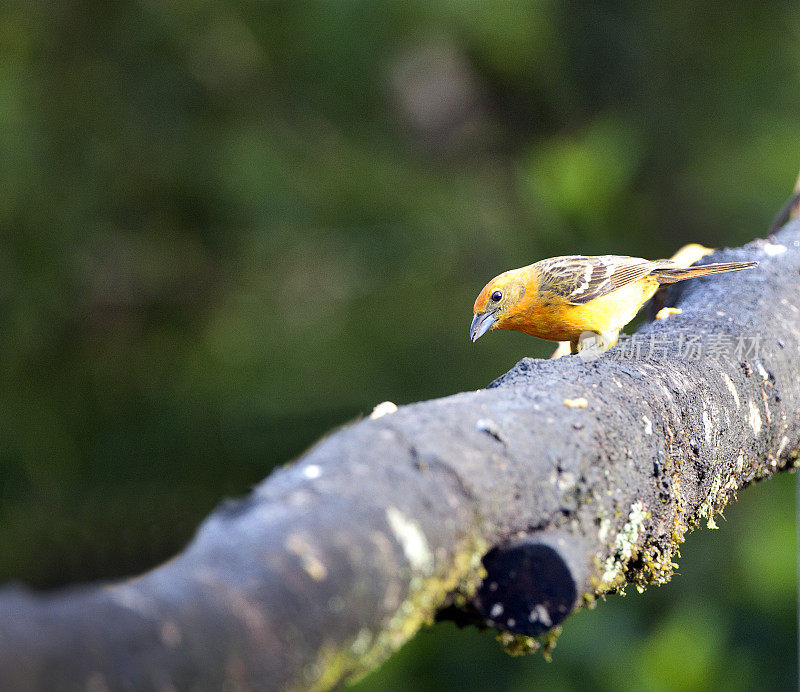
574,297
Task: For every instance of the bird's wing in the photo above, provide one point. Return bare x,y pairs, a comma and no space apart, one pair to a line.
579,279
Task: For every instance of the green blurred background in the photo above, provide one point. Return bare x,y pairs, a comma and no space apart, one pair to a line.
228,226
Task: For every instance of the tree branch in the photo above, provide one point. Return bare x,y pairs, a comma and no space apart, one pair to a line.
576,476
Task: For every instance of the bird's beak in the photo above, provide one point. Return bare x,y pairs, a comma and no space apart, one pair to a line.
481,323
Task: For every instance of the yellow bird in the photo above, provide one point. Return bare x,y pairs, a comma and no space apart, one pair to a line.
564,298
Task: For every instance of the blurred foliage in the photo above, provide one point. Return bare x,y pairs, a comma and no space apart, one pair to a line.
228,226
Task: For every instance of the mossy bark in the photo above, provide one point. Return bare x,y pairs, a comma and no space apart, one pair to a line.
337,559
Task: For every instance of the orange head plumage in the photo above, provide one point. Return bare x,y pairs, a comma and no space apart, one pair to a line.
504,301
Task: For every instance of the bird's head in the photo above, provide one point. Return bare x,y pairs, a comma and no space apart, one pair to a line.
500,302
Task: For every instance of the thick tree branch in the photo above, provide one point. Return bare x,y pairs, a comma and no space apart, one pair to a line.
578,475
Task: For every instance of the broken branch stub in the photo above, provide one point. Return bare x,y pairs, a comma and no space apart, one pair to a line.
532,583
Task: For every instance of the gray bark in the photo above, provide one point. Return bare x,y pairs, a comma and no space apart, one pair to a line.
576,476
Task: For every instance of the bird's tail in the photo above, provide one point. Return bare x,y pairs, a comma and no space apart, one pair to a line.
669,275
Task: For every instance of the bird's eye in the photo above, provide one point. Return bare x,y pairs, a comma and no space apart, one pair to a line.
497,296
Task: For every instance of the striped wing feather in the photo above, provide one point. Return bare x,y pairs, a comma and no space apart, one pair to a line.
579,279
